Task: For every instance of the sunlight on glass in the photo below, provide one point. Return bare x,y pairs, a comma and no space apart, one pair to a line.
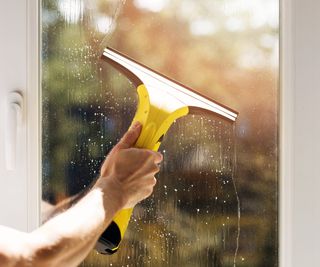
105,24
251,58
235,24
202,27
261,11
268,41
152,5
72,10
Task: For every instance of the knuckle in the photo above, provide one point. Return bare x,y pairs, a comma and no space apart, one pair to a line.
149,191
151,181
147,153
154,168
154,181
157,168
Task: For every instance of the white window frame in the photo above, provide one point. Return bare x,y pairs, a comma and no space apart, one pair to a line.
299,243
19,117
286,122
300,132
33,114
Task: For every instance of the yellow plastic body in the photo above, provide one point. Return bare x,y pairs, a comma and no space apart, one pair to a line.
155,123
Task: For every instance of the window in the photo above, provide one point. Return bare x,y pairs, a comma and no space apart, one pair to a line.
213,170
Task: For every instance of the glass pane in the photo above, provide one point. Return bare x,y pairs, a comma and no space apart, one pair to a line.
227,50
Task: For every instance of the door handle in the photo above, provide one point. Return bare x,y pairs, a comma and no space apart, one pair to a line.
13,123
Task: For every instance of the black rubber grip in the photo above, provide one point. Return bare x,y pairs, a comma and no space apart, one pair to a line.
109,241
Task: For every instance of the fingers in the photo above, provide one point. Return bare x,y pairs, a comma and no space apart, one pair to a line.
149,167
131,136
158,157
150,182
153,163
153,181
142,155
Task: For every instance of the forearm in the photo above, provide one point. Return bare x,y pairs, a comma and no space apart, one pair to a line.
49,211
68,238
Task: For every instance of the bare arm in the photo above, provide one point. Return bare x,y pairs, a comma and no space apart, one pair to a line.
127,177
63,241
49,210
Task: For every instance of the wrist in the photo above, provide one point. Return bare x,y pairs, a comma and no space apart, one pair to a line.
112,195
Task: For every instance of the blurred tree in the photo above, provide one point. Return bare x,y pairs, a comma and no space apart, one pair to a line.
221,48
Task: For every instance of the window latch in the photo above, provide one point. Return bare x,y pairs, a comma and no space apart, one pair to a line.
13,123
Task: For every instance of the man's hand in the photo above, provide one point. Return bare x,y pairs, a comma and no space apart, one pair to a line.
127,175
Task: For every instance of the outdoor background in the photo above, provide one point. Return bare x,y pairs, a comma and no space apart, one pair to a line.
226,49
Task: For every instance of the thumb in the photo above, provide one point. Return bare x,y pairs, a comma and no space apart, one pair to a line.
130,137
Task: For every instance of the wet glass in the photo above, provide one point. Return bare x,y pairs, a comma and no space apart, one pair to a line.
213,170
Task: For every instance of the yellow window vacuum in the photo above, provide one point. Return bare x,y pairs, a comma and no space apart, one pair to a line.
161,102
